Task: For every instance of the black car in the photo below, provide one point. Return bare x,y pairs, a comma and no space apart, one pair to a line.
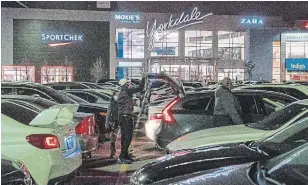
29,89
191,161
67,85
290,168
90,96
14,172
194,111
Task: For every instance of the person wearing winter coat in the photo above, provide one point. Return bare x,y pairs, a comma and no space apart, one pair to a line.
227,110
126,117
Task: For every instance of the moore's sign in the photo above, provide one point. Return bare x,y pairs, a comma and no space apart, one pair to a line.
127,17
252,21
60,37
297,64
172,25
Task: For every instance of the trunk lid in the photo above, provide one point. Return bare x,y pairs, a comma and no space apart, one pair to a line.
60,118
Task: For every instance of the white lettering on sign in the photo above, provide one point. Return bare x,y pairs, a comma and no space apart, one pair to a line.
253,21
65,37
168,27
298,66
127,18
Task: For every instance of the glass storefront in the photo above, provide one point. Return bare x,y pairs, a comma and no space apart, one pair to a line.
18,73
231,45
50,74
166,46
198,43
276,62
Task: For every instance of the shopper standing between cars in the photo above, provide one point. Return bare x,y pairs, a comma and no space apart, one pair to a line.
125,111
112,123
227,110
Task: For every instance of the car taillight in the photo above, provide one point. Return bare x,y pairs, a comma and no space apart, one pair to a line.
167,116
43,141
156,116
86,126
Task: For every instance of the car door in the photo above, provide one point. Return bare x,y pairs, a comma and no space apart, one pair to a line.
251,108
195,113
85,96
273,102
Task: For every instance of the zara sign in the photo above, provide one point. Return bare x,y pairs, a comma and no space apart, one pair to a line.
252,21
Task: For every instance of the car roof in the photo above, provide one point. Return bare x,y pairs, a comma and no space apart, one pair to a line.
242,91
63,83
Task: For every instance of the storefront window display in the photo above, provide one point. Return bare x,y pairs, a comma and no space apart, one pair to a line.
18,73
166,46
276,61
130,43
231,45
297,50
50,74
198,43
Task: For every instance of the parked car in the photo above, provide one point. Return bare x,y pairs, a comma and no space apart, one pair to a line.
193,84
154,118
206,158
290,168
194,111
14,172
68,85
242,133
298,91
90,96
92,85
44,141
29,88
85,123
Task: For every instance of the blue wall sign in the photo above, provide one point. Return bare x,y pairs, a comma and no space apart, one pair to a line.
120,45
252,21
297,64
127,17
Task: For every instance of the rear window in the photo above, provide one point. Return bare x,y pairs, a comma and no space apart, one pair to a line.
7,91
18,112
205,103
296,93
61,87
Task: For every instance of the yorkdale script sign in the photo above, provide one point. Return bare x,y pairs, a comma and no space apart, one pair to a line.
173,25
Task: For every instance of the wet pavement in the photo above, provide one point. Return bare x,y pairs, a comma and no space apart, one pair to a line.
100,170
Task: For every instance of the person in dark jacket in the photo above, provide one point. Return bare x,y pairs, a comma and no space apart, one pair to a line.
126,115
112,123
227,110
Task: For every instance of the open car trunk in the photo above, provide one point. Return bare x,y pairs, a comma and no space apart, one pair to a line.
176,86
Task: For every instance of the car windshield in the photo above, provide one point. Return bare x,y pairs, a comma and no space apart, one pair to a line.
286,139
279,118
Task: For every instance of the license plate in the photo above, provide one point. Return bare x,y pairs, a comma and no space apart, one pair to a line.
70,142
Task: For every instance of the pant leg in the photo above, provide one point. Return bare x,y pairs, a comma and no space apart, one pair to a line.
113,139
126,136
122,130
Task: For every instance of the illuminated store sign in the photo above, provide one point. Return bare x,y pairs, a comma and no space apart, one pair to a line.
172,25
128,17
252,21
297,64
60,37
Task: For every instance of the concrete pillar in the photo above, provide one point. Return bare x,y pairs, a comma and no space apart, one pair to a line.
112,62
215,53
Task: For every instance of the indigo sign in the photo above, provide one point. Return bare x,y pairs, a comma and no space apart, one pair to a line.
128,17
297,64
252,21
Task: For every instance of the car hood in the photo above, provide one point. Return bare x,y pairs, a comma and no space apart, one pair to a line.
215,136
187,162
231,175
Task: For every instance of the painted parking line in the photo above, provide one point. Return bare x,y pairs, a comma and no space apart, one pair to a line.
122,173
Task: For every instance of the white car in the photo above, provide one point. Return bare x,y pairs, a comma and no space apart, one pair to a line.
45,142
154,119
